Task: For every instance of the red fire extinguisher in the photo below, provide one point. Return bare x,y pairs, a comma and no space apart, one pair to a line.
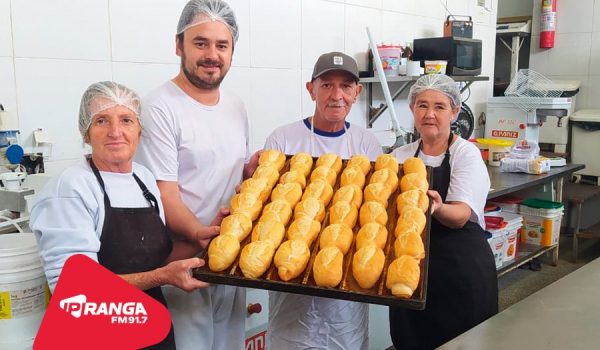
548,24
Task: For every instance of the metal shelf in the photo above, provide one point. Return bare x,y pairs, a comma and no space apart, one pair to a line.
526,253
373,113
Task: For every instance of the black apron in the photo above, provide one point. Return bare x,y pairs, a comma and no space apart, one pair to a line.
135,240
462,287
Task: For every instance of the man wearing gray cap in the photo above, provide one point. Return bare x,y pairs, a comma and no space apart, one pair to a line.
305,322
196,145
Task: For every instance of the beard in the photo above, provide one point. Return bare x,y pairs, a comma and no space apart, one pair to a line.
213,82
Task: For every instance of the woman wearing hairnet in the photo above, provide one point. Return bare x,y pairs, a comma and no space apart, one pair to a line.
462,288
106,206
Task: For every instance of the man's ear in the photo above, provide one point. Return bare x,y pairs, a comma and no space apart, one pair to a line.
311,87
178,44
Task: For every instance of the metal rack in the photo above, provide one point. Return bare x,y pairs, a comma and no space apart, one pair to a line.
373,113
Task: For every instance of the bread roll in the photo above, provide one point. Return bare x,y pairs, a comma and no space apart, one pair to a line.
291,259
304,229
413,181
352,175
222,251
409,244
377,192
412,198
404,227
343,213
320,190
256,258
302,162
273,231
311,208
281,208
386,177
371,233
387,161
403,276
292,176
330,160
290,192
349,193
246,203
414,215
237,225
259,186
327,268
367,265
373,211
337,235
360,161
267,171
324,173
414,165
273,157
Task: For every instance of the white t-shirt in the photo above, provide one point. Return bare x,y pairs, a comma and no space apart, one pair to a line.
296,137
68,214
469,179
299,321
202,148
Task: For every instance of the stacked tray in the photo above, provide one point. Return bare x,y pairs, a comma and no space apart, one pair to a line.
348,289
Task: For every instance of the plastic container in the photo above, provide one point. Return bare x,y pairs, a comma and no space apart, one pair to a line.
498,149
541,221
585,133
483,149
390,58
24,293
514,224
435,67
497,242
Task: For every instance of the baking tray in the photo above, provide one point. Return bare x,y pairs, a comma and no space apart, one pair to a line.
348,289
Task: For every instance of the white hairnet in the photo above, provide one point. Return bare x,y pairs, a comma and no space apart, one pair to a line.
437,82
104,95
197,12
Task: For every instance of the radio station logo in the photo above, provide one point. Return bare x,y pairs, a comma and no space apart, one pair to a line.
94,309
122,312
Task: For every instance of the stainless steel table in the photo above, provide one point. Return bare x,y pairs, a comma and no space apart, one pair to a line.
508,183
564,315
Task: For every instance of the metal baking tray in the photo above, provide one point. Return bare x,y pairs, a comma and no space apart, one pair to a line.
348,289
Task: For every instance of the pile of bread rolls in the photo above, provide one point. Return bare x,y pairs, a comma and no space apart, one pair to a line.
412,203
297,202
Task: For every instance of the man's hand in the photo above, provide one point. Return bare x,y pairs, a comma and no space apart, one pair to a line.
179,274
205,233
252,164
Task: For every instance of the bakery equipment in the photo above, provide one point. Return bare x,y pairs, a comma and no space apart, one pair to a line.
528,102
585,132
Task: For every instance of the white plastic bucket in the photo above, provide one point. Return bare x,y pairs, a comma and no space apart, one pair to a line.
24,291
497,242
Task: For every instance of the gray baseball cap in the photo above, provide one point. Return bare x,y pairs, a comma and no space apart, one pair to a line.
335,61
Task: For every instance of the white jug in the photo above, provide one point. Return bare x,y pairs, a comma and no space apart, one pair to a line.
12,181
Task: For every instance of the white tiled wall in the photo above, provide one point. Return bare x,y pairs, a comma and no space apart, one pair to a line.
50,50
576,52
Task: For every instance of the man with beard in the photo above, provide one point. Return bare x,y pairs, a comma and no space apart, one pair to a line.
196,144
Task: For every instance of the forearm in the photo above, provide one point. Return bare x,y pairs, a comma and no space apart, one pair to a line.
146,280
182,250
180,219
453,214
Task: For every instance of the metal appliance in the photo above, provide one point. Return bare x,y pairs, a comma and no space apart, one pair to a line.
463,54
530,99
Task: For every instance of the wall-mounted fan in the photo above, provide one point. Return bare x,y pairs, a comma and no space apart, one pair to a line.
465,122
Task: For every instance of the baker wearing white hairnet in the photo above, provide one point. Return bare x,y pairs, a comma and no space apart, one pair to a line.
196,144
106,206
301,321
462,288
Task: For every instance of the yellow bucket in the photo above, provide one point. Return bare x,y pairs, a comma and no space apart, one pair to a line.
498,149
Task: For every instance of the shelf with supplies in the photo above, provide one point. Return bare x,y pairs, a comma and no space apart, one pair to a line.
373,113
